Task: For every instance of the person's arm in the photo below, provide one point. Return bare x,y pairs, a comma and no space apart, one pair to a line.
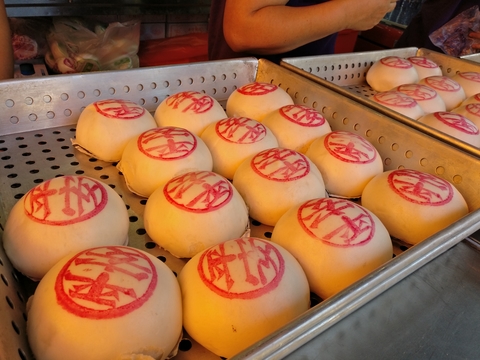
270,27
6,49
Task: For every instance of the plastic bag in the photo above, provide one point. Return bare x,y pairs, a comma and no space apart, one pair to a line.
453,39
75,45
29,37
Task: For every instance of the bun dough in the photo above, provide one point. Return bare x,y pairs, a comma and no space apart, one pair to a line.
296,126
62,215
104,127
449,90
472,99
399,102
390,72
155,156
257,99
238,292
232,140
469,81
455,125
346,161
193,211
106,303
190,110
425,96
425,67
470,111
336,242
413,205
276,179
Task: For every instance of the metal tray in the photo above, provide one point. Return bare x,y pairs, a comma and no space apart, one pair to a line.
346,74
38,118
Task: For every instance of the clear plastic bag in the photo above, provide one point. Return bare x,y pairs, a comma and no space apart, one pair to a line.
453,38
75,45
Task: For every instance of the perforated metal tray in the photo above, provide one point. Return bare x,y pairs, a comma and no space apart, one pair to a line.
346,74
38,118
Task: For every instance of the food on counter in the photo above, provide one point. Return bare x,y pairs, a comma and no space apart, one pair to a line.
471,111
276,179
455,125
157,155
193,211
471,100
232,140
296,126
238,292
448,89
61,215
399,102
105,126
191,110
469,81
255,100
346,161
412,204
336,241
390,72
425,96
425,67
110,302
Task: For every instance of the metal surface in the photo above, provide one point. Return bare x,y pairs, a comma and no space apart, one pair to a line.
38,119
346,75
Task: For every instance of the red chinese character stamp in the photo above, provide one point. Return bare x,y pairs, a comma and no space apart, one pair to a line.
420,188
167,143
119,109
336,222
396,62
245,268
395,98
302,115
257,88
473,109
457,121
198,191
280,164
442,83
105,282
240,130
418,91
65,200
190,102
423,62
470,75
349,147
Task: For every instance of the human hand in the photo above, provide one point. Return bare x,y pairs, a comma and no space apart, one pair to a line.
476,37
364,15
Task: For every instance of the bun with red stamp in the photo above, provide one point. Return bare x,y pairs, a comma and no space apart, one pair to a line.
238,292
449,90
469,81
105,126
412,204
255,100
390,72
336,241
193,211
399,102
296,126
110,302
425,96
455,125
471,111
471,100
157,155
346,161
233,139
191,110
59,216
425,67
274,180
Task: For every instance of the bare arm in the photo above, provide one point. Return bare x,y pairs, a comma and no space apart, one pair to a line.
6,49
270,27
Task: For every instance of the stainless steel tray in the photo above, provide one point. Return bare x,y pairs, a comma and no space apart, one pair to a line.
346,74
38,118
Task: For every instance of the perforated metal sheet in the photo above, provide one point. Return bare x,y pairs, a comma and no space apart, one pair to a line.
35,150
